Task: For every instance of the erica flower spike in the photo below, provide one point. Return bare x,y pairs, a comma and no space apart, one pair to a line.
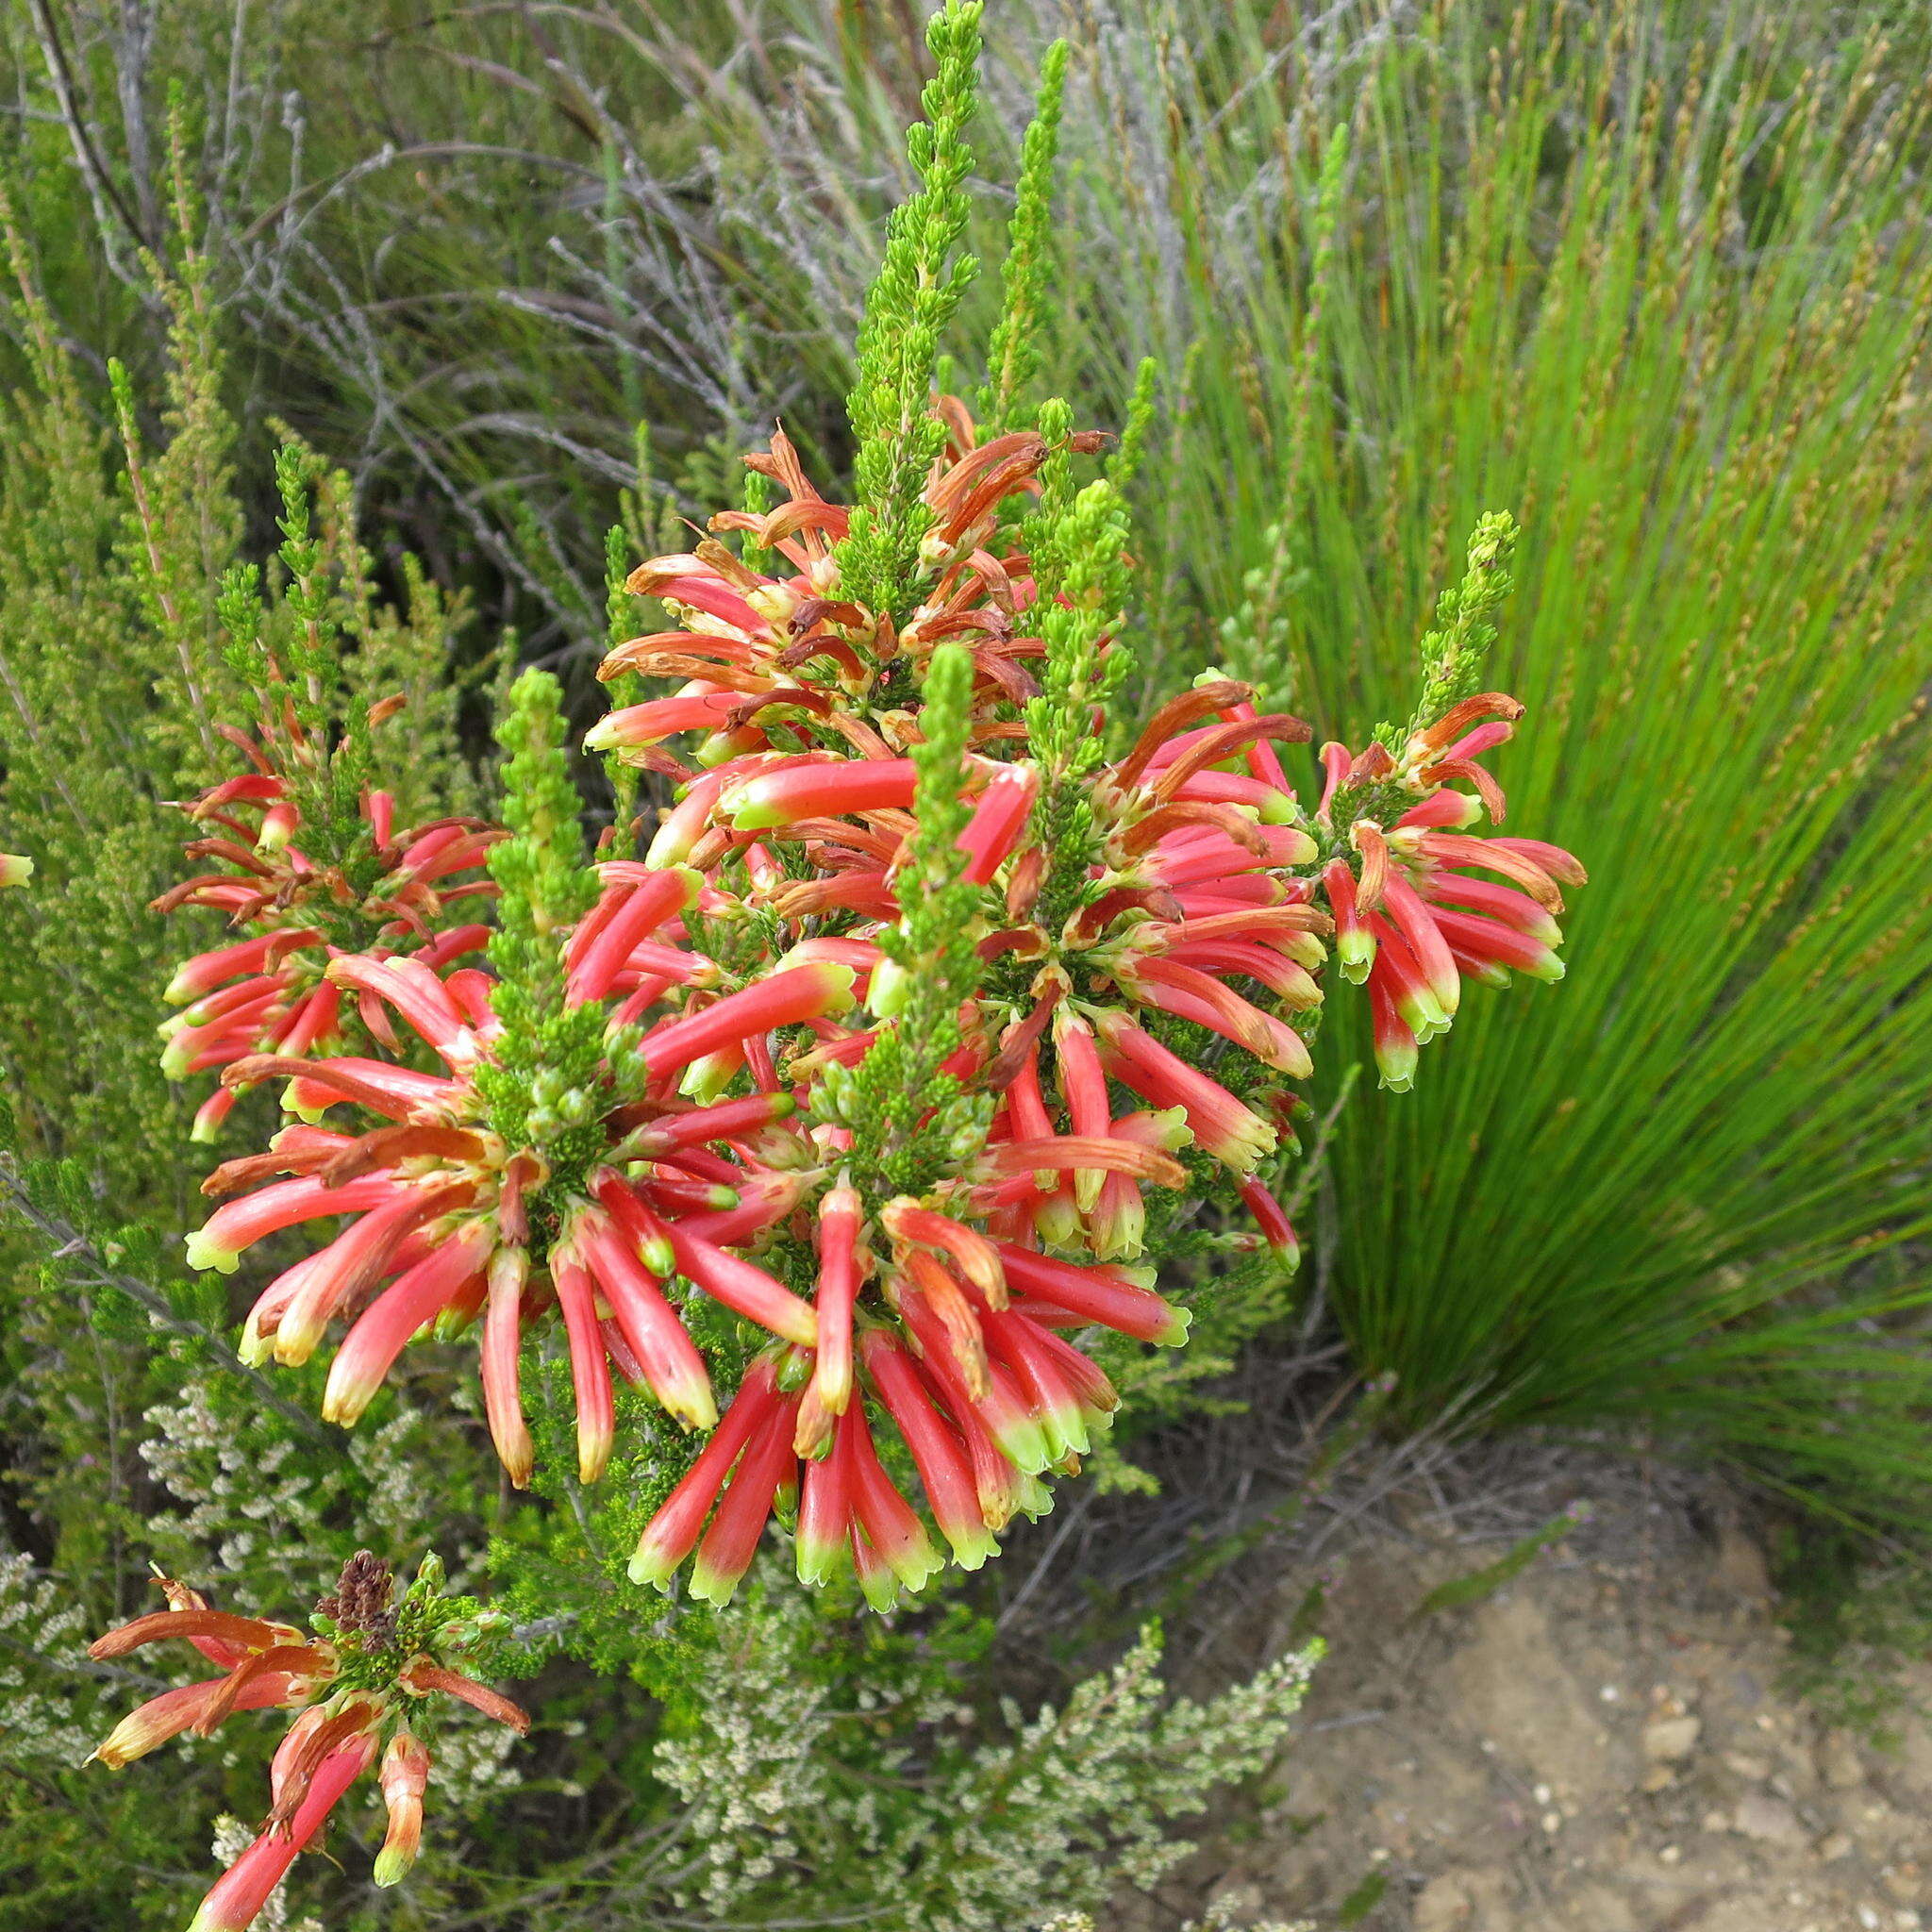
554,1165
387,893
1414,915
361,1682
850,1120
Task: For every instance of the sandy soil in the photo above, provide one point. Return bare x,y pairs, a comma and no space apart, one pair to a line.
1605,1743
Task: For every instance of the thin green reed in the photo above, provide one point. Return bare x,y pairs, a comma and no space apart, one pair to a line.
1666,298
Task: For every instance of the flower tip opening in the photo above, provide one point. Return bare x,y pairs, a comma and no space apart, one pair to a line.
710,1586
344,1402
649,1566
294,1105
1355,953
206,1256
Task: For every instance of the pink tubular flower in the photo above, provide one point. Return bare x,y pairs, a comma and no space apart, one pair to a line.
273,991
840,1216
351,1687
440,1197
662,718
236,1898
1413,914
404,1777
725,1550
998,819
822,790
784,999
1222,1125
758,650
610,949
938,1453
673,1531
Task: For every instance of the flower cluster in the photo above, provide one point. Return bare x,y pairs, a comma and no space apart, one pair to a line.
1414,916
363,1682
387,893
780,650
915,1011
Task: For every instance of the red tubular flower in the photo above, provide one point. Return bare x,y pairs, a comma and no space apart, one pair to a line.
976,1258
1191,994
1083,1087
632,908
503,1336
590,1367
827,1490
1401,975
418,996
668,1362
1222,1125
268,992
1414,922
220,1241
823,789
1016,1344
404,1777
1094,1294
686,821
1354,944
673,1531
938,1451
744,1288
237,1898
1490,949
840,1213
1273,1221
998,819
439,1202
661,718
880,1513
417,1297
949,1339
803,993
351,1686
726,1548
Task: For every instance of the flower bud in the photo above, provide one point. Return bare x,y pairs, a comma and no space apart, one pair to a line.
404,1777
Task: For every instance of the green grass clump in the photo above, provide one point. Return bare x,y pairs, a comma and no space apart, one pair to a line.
1660,284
